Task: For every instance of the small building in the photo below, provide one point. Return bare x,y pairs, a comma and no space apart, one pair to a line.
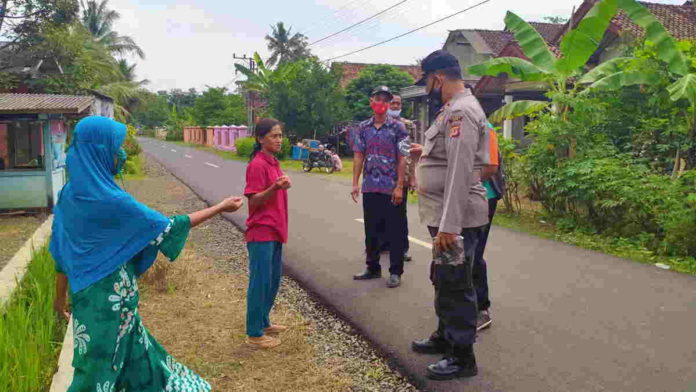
34,132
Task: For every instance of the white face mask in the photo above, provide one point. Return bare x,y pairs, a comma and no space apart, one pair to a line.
394,113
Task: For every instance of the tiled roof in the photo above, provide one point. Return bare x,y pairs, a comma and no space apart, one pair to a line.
351,71
548,31
497,40
679,20
44,103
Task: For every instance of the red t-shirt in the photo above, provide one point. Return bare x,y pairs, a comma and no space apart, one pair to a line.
268,222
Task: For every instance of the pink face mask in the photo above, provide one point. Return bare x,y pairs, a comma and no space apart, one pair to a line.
379,107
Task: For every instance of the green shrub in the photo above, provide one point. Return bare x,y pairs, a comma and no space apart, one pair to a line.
244,145
175,135
285,149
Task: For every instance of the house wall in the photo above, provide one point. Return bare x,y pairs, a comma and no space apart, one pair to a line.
465,50
37,188
102,107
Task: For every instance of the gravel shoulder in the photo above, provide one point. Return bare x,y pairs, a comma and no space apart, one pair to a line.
196,308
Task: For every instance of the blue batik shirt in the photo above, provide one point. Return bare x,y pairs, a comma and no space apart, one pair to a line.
382,148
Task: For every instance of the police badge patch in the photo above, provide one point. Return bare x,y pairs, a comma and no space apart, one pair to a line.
455,125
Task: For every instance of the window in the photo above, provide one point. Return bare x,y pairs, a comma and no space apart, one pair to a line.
21,145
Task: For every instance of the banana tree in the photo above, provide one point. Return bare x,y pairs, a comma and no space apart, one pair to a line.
259,80
577,46
630,71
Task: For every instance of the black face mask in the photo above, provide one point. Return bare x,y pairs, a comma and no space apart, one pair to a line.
435,97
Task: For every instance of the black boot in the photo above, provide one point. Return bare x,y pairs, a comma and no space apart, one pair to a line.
461,364
368,275
434,344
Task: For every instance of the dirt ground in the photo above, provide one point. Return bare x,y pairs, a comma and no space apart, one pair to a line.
196,308
15,230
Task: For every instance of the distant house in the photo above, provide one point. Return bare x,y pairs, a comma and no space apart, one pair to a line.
350,71
473,46
493,92
34,130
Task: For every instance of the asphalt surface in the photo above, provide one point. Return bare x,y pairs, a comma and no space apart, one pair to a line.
564,318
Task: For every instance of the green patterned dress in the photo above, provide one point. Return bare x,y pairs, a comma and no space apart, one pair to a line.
114,352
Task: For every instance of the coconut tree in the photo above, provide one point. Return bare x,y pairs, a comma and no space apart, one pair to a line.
284,46
99,20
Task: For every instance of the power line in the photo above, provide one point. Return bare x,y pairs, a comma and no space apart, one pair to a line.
332,16
361,22
409,32
373,24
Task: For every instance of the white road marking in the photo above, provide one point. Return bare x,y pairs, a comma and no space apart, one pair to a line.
211,165
173,150
188,156
413,240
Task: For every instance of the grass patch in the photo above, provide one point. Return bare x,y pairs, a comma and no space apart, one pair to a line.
532,222
30,333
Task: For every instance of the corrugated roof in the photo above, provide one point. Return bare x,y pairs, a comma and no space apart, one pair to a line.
44,103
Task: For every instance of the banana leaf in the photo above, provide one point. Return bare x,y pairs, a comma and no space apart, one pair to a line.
684,88
531,42
605,69
667,49
579,44
513,66
518,109
624,79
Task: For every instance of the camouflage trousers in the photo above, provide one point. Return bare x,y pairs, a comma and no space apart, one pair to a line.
455,295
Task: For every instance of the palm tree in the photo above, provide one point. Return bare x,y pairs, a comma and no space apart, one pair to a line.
99,20
128,72
284,46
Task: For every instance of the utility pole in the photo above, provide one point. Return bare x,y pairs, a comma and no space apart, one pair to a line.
249,94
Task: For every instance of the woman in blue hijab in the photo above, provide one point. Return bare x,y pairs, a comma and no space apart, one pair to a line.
102,240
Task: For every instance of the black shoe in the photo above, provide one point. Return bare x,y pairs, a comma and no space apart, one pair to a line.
407,257
429,346
450,368
483,320
368,275
394,281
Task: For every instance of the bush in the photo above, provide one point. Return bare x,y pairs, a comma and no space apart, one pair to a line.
245,146
175,135
285,149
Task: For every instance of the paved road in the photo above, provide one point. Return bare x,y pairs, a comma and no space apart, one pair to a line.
565,319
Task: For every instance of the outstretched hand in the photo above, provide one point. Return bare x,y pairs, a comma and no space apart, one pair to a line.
231,204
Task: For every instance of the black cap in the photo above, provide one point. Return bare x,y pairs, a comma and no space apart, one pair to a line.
382,89
436,61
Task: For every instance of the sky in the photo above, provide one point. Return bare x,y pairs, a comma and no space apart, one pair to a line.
192,43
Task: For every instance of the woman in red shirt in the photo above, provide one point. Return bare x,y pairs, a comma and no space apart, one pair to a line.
267,231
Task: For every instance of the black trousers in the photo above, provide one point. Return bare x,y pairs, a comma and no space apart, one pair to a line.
379,212
383,242
455,295
480,273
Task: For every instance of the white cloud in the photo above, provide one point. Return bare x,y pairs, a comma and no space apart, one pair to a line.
190,43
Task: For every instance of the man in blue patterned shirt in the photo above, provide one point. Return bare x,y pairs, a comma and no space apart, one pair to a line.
380,148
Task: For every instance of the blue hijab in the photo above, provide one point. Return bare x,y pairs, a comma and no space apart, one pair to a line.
97,226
